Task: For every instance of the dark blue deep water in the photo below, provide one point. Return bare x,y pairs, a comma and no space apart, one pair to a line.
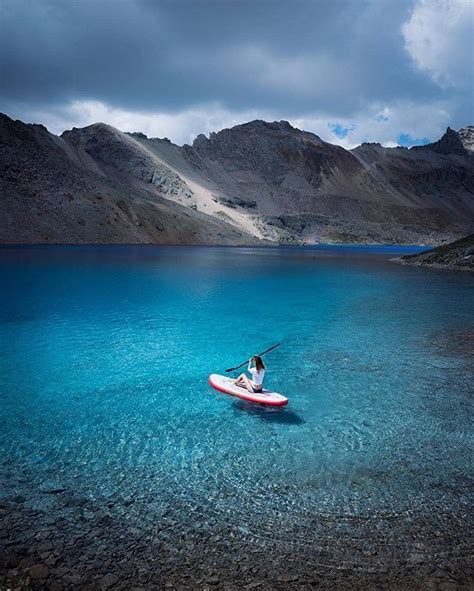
104,359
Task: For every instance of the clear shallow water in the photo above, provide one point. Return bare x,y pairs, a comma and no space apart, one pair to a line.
104,359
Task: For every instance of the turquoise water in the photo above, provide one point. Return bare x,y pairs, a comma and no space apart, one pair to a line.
105,353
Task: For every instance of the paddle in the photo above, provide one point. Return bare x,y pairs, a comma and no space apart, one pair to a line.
260,354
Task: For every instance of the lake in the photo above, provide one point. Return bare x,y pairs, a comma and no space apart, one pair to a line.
121,467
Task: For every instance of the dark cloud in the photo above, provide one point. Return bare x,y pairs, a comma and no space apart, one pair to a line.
171,54
296,57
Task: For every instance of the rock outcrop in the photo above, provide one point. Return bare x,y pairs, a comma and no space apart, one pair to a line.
458,255
466,135
255,181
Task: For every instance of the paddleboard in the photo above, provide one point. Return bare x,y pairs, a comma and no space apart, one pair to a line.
226,385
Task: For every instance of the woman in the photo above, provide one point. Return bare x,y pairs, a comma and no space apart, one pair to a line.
258,373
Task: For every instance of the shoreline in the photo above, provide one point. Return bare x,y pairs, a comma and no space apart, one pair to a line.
456,256
315,246
434,266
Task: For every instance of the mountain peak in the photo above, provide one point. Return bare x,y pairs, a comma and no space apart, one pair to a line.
375,145
98,127
261,125
449,143
256,128
6,120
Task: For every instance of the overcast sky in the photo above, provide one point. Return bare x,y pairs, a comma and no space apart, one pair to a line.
393,71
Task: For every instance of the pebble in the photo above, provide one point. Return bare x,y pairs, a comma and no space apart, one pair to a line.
109,581
61,571
39,571
73,578
286,578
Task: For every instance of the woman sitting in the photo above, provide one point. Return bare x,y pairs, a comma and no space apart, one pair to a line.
258,373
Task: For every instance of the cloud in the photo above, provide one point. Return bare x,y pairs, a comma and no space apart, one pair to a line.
159,55
390,126
177,69
180,127
439,37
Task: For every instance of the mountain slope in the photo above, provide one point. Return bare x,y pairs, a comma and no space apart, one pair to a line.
437,181
50,192
291,185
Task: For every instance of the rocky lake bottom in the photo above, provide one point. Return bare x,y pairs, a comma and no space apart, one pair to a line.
120,468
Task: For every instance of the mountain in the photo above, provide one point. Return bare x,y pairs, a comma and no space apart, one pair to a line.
254,181
458,255
52,192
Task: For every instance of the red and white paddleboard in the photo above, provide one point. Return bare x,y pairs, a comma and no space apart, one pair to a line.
226,385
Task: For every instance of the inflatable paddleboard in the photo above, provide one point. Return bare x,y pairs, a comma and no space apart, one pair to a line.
226,385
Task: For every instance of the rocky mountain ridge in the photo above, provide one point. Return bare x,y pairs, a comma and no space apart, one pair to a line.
254,181
54,192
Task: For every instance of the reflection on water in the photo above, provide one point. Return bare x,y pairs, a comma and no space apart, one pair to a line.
282,416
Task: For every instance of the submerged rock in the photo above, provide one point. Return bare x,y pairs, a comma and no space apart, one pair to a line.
39,571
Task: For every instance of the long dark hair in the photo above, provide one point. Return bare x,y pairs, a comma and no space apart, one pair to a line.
258,362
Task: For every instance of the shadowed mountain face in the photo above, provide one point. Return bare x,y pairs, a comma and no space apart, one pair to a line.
257,180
